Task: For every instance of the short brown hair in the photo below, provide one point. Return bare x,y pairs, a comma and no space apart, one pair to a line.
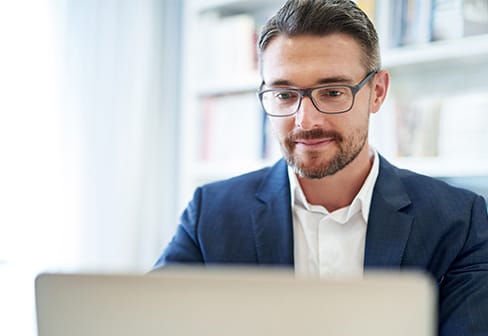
324,17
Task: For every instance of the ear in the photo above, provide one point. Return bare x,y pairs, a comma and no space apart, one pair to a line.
381,84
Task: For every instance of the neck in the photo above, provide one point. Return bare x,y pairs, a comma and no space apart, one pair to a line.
338,190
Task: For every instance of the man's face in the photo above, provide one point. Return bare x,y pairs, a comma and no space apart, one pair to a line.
317,144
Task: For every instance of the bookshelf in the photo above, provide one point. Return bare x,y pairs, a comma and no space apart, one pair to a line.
428,80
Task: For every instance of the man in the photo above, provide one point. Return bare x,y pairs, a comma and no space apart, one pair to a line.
334,206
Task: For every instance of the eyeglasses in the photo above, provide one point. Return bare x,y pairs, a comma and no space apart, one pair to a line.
285,102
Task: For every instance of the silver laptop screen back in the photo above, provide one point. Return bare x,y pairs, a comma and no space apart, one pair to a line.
233,303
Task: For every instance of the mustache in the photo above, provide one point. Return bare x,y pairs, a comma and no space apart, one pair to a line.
317,133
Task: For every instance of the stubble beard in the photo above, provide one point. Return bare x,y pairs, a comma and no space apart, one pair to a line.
314,165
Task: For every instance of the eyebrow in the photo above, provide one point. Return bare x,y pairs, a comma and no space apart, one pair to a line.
321,81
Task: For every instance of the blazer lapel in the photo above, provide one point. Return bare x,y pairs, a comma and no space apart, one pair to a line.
388,227
272,220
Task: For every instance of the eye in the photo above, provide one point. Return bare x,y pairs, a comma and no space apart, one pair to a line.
285,95
333,93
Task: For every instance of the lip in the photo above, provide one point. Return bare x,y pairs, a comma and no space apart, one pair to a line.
313,142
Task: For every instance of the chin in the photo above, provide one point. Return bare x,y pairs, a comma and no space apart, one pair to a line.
313,170
313,167
315,173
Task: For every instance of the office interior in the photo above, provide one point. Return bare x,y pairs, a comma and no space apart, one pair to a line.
111,114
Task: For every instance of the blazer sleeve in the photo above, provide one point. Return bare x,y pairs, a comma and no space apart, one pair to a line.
463,291
184,247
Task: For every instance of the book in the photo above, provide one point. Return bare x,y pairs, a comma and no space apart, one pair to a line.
396,23
416,21
383,134
418,127
228,47
475,14
463,126
454,19
383,22
369,7
447,19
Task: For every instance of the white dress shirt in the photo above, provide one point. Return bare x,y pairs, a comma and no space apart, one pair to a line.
330,244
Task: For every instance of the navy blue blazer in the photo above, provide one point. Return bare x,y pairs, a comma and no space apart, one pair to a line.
415,222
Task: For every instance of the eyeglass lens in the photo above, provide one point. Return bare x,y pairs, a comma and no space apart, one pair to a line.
327,99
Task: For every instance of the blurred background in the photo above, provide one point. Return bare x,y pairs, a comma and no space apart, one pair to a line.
113,111
89,113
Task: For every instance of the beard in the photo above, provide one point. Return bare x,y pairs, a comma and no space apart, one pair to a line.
312,164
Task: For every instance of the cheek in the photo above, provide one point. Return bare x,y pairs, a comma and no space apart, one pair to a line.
358,117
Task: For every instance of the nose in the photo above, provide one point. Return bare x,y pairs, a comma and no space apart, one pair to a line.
307,116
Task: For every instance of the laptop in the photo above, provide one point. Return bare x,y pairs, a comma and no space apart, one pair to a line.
238,302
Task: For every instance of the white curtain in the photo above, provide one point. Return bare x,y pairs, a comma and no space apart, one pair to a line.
89,98
124,103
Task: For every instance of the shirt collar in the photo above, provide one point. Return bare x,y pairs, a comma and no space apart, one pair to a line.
361,201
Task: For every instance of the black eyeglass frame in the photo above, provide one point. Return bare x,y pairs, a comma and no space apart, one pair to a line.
308,93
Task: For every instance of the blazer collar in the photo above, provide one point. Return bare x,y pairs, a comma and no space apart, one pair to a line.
388,227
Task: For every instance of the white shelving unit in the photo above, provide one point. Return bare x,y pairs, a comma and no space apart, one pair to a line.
443,68
193,169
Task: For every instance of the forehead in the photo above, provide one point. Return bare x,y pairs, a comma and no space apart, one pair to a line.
308,58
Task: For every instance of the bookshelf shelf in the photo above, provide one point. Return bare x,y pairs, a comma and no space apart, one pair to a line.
461,50
444,167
